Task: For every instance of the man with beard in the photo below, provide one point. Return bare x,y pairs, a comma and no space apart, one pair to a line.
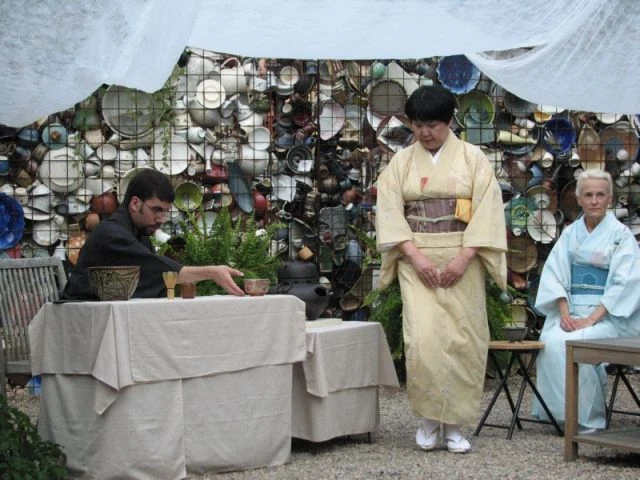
123,239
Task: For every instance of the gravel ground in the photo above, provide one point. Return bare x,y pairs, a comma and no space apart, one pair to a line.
535,452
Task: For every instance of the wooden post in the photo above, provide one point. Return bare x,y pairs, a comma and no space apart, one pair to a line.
571,407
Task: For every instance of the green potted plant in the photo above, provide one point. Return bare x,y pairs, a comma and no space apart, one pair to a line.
240,245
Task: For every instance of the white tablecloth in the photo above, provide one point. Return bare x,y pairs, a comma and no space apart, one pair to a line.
335,390
151,388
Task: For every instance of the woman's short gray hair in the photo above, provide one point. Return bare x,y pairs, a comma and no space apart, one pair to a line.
594,174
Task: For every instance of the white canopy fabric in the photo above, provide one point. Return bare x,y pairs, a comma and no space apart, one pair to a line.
580,54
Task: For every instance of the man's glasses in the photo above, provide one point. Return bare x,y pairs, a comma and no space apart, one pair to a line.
158,211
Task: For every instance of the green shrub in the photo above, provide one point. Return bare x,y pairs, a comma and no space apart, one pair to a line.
23,454
385,307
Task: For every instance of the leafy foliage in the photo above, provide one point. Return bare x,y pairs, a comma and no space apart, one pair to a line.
23,454
241,245
385,307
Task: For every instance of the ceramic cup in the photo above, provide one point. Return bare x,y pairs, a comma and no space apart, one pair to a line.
188,290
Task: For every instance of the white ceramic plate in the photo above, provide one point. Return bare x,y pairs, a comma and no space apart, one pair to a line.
259,138
61,170
542,226
171,157
210,93
127,111
45,233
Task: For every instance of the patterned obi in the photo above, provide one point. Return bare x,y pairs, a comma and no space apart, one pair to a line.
588,280
433,215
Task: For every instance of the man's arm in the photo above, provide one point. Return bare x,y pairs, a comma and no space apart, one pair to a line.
221,274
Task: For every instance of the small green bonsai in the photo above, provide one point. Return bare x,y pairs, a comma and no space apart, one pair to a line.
23,454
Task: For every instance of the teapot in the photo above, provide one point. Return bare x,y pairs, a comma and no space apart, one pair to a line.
300,279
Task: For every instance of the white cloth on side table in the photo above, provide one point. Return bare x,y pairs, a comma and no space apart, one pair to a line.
335,390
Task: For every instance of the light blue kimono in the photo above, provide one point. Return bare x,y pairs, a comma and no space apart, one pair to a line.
605,266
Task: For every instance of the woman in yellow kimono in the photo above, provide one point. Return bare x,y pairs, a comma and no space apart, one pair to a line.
440,225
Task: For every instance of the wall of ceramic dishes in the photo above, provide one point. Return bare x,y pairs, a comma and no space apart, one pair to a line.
301,142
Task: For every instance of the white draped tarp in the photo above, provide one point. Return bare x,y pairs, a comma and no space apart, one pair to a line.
581,54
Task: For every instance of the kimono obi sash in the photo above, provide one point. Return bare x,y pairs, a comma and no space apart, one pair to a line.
433,215
587,282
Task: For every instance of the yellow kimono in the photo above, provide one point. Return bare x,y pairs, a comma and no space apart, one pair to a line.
445,330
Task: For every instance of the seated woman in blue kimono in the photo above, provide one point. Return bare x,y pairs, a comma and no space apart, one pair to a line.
589,289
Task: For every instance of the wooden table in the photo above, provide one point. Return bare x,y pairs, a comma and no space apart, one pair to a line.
517,350
624,351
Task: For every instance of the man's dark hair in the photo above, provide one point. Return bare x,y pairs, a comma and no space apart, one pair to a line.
149,183
430,103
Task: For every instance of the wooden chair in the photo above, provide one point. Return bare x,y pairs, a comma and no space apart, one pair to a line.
25,285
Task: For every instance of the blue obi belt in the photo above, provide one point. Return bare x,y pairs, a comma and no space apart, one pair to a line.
588,280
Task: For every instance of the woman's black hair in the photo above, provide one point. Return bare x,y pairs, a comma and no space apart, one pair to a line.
430,103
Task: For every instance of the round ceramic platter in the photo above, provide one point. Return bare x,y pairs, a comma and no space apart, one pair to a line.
517,212
387,97
45,233
617,137
127,111
61,170
542,226
210,93
171,157
478,106
259,138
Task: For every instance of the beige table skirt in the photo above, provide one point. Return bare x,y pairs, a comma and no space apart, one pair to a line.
151,389
335,390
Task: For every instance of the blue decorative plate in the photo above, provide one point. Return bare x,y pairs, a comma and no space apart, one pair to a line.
457,74
11,222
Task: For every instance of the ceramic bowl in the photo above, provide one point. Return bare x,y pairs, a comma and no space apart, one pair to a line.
558,136
114,283
458,74
188,196
515,334
256,287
